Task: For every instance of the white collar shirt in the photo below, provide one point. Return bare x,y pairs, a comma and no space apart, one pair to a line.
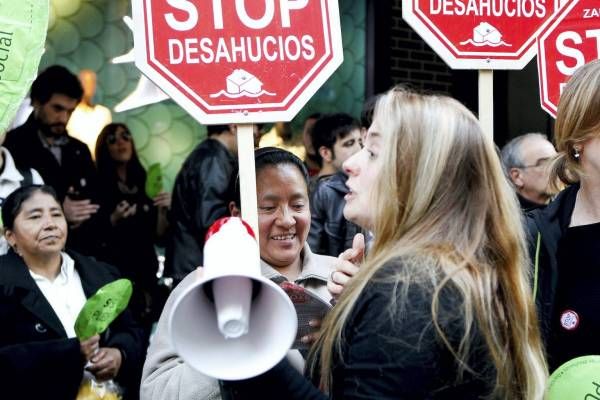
315,271
65,293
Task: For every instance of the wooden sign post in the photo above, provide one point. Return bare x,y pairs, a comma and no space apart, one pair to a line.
486,101
245,144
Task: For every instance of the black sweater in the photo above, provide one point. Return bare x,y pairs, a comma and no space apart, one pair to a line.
391,353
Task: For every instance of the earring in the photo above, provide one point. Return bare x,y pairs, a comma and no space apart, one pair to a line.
576,153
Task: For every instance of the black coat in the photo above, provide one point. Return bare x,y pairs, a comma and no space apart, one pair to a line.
37,360
200,197
545,227
330,233
129,245
76,170
390,352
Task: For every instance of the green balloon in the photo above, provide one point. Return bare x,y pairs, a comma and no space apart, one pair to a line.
578,378
23,26
100,310
154,180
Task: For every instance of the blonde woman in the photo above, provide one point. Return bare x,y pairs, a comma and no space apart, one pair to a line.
565,236
442,307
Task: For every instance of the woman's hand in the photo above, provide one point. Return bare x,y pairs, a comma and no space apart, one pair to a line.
78,211
346,266
122,210
106,363
89,347
163,200
313,336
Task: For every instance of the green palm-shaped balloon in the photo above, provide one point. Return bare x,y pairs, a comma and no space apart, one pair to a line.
103,308
154,181
23,26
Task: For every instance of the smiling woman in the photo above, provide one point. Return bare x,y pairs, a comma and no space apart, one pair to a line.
283,212
283,223
42,290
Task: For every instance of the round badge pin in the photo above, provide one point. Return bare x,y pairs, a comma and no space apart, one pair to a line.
569,320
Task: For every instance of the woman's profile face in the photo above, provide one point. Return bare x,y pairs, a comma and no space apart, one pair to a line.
283,214
363,170
120,145
39,227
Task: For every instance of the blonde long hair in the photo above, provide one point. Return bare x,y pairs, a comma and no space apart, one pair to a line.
577,120
443,204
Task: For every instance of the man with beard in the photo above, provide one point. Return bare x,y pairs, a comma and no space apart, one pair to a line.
335,137
65,163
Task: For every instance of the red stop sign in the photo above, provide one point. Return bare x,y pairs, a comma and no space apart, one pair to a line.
480,34
570,41
238,61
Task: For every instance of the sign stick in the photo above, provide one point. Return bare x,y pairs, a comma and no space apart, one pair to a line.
486,100
245,144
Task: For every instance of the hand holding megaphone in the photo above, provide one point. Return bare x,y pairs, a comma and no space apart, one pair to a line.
232,323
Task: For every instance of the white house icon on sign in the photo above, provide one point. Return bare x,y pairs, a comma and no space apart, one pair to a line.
242,83
485,34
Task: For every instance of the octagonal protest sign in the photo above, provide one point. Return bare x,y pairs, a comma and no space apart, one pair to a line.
242,61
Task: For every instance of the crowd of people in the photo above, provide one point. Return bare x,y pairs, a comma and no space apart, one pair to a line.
454,270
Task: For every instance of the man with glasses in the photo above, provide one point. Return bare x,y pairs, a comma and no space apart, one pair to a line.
65,163
526,160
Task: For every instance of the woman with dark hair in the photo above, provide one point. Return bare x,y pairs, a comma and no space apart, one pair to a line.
283,224
132,221
42,291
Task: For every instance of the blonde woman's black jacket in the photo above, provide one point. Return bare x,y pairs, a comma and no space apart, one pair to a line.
545,227
390,351
37,360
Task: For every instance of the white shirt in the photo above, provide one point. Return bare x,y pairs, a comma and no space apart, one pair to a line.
65,293
10,180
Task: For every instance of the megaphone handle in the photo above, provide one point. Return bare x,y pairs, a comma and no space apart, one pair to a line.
242,390
228,391
281,382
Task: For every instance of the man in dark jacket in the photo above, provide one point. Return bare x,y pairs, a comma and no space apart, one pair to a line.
335,137
200,197
64,163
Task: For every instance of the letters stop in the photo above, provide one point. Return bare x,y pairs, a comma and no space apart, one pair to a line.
194,14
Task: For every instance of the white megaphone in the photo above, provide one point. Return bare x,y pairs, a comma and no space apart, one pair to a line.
233,323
